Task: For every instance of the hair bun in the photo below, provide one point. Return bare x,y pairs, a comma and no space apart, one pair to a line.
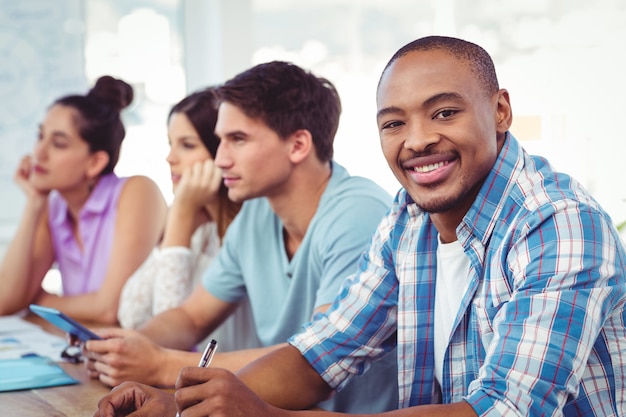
116,92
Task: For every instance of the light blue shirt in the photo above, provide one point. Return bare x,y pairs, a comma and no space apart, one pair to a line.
283,293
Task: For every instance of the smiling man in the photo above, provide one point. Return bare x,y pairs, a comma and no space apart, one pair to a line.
499,280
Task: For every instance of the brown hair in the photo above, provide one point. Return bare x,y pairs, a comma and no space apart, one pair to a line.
200,108
99,120
287,98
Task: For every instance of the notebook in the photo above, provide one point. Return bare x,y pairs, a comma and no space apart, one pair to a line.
32,372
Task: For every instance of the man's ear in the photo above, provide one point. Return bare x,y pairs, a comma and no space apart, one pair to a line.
97,162
504,113
301,145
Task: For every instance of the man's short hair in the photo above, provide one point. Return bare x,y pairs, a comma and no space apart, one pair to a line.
476,57
287,98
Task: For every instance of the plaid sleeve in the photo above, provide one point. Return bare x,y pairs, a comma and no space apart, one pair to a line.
565,272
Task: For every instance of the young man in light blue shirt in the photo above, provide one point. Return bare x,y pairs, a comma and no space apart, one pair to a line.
303,226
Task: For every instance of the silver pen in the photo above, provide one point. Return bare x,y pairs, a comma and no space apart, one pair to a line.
207,357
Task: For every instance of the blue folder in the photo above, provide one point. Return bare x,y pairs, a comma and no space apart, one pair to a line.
32,372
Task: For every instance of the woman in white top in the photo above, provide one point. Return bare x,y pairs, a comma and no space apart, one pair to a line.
197,221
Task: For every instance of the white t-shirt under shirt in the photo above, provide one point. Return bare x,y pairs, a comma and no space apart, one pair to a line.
452,268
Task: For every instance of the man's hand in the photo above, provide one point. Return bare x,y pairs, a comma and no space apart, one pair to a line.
218,393
139,399
124,355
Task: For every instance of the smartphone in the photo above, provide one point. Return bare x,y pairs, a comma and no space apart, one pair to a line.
63,322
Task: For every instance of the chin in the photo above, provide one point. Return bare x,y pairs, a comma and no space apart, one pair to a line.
42,187
236,198
434,203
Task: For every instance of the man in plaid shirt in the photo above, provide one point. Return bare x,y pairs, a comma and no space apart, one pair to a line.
500,280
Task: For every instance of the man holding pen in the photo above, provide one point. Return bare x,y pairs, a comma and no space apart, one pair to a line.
301,230
502,280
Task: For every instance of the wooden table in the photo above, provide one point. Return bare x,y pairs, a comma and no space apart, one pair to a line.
64,401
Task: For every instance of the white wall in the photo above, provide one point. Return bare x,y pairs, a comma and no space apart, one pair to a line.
41,55
217,40
563,64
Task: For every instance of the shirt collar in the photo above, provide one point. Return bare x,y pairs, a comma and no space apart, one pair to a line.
96,202
337,175
481,216
484,212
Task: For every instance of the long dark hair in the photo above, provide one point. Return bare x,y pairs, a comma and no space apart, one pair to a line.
200,108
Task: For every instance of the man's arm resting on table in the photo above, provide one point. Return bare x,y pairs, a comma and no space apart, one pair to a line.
286,380
156,353
236,360
174,360
183,327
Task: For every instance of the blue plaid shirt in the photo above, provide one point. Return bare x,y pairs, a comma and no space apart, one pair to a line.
541,327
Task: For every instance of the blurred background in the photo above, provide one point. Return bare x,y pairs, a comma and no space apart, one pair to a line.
563,62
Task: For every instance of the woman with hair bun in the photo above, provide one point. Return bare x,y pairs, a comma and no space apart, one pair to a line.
96,227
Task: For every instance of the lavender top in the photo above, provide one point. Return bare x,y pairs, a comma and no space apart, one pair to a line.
83,271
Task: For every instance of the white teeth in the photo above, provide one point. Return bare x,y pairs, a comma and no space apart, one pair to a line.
429,168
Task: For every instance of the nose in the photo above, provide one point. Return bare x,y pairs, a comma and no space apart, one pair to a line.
40,150
420,135
171,157
222,158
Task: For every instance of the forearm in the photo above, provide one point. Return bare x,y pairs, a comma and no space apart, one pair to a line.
90,307
180,225
460,409
174,361
271,377
173,329
286,380
236,360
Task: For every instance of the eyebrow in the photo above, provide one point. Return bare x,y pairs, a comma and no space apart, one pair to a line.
62,135
428,102
388,110
55,133
442,97
232,134
187,137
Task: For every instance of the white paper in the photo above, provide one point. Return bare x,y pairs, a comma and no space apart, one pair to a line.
13,324
19,338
